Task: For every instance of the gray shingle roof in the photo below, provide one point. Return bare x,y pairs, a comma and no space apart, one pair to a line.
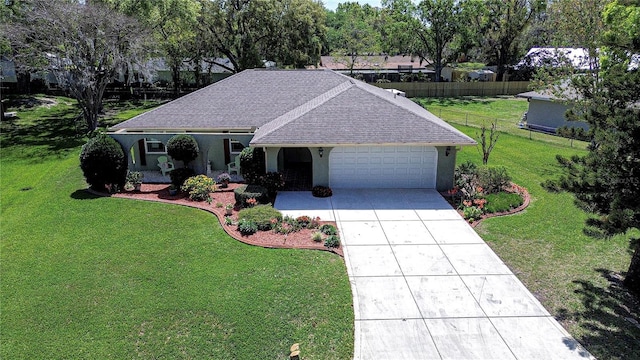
297,107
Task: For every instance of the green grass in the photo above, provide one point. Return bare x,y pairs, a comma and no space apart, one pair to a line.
546,248
502,201
507,111
91,277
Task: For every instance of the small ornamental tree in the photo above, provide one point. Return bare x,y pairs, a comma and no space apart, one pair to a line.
183,147
103,162
252,164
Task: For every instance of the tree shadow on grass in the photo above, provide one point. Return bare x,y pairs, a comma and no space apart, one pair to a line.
610,318
84,194
50,135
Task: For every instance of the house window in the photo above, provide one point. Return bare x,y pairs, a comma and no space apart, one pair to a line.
154,146
235,147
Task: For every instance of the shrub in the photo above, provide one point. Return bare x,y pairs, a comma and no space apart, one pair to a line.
303,220
228,220
472,213
321,191
328,229
466,180
316,236
219,205
199,187
332,241
288,225
183,147
272,181
502,202
178,176
262,216
252,165
493,179
103,162
247,227
246,192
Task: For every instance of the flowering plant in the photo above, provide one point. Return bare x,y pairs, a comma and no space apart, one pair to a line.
199,187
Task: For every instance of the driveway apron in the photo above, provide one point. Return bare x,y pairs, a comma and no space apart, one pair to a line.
426,286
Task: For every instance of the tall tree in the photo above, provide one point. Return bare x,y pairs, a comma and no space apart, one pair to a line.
606,182
353,33
439,23
505,22
84,45
247,32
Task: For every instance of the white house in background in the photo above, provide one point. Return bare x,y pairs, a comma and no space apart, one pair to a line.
547,111
578,58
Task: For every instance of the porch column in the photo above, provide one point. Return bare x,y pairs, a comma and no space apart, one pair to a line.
271,158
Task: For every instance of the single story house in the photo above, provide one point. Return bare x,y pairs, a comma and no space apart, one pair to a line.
338,131
547,112
373,68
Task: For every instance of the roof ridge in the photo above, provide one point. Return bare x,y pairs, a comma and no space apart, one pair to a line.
300,110
378,92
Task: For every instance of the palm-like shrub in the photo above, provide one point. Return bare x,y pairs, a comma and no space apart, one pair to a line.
103,162
183,147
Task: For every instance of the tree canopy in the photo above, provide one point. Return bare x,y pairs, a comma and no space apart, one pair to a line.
84,45
606,182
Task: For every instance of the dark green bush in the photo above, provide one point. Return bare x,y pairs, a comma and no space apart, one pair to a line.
272,181
252,165
103,162
183,147
178,176
328,229
332,241
502,202
247,227
246,192
264,216
493,179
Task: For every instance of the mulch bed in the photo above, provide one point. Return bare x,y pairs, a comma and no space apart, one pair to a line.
268,239
526,199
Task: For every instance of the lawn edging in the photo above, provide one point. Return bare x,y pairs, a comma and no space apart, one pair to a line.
160,193
526,200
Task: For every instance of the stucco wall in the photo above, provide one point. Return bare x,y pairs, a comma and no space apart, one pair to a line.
550,114
446,166
211,148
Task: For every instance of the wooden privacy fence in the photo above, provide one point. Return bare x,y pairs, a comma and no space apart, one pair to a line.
451,89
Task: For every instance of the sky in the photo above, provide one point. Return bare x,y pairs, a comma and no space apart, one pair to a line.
333,4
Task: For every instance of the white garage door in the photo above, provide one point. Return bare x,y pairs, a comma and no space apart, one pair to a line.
383,167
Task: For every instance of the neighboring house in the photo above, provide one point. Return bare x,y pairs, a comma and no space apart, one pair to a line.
372,68
547,112
577,58
338,131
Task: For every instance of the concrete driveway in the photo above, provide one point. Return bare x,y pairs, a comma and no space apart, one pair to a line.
426,286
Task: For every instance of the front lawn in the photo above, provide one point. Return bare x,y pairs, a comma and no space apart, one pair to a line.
573,275
89,277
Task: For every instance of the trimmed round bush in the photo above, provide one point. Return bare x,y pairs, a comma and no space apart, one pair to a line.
183,147
179,176
272,181
247,227
252,165
321,191
262,215
199,187
328,229
246,192
103,162
332,241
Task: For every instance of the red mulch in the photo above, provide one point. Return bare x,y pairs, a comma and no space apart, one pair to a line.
526,199
268,239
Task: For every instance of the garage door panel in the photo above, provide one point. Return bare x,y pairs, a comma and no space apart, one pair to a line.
383,166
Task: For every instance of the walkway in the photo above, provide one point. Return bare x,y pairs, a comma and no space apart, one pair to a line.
426,286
